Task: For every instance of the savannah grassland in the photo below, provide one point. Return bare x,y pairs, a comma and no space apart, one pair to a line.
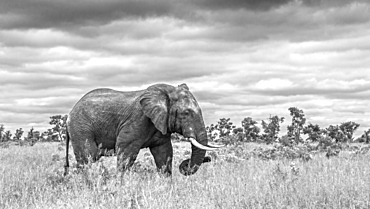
31,177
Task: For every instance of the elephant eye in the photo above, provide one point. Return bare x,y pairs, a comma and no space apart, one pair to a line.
186,112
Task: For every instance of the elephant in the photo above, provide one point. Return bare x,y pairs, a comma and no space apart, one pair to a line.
127,121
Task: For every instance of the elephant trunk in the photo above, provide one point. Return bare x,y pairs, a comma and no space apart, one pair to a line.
190,166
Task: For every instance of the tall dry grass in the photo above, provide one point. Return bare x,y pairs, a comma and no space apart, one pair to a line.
31,177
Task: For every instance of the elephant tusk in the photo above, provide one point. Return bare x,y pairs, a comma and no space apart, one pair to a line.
215,145
200,146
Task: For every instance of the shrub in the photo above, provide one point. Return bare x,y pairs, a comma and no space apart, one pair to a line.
282,152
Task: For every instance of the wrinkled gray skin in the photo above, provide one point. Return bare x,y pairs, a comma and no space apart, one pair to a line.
105,119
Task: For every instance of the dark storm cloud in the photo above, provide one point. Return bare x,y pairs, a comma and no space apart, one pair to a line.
239,4
89,24
18,14
27,14
294,22
52,14
330,3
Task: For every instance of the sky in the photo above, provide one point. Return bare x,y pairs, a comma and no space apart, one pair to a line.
240,58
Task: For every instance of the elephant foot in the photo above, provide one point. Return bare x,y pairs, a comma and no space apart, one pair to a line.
187,170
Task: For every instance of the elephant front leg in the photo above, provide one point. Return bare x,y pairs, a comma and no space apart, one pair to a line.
126,156
163,155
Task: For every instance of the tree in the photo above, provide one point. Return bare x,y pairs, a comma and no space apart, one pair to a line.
348,128
7,136
32,136
212,132
59,123
333,132
18,134
343,132
30,133
237,130
224,126
298,120
366,136
2,132
48,135
272,128
238,134
250,129
4,135
314,132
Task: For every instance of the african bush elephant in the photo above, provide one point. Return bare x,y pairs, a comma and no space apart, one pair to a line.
105,119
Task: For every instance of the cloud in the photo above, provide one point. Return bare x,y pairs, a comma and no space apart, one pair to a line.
239,4
274,84
239,58
64,14
61,14
69,15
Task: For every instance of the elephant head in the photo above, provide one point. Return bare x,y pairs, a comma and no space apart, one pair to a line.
175,109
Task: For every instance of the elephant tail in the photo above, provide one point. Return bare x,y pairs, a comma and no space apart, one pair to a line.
66,165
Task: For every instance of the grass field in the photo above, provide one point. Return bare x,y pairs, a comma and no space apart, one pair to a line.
31,177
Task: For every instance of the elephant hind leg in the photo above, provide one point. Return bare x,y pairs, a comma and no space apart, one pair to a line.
86,151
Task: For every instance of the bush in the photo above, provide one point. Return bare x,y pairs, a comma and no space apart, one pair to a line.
282,152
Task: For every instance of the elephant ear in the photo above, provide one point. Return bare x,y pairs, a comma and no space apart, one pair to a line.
184,86
155,103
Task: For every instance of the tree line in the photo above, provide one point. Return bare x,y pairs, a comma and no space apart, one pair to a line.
55,133
225,130
250,132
